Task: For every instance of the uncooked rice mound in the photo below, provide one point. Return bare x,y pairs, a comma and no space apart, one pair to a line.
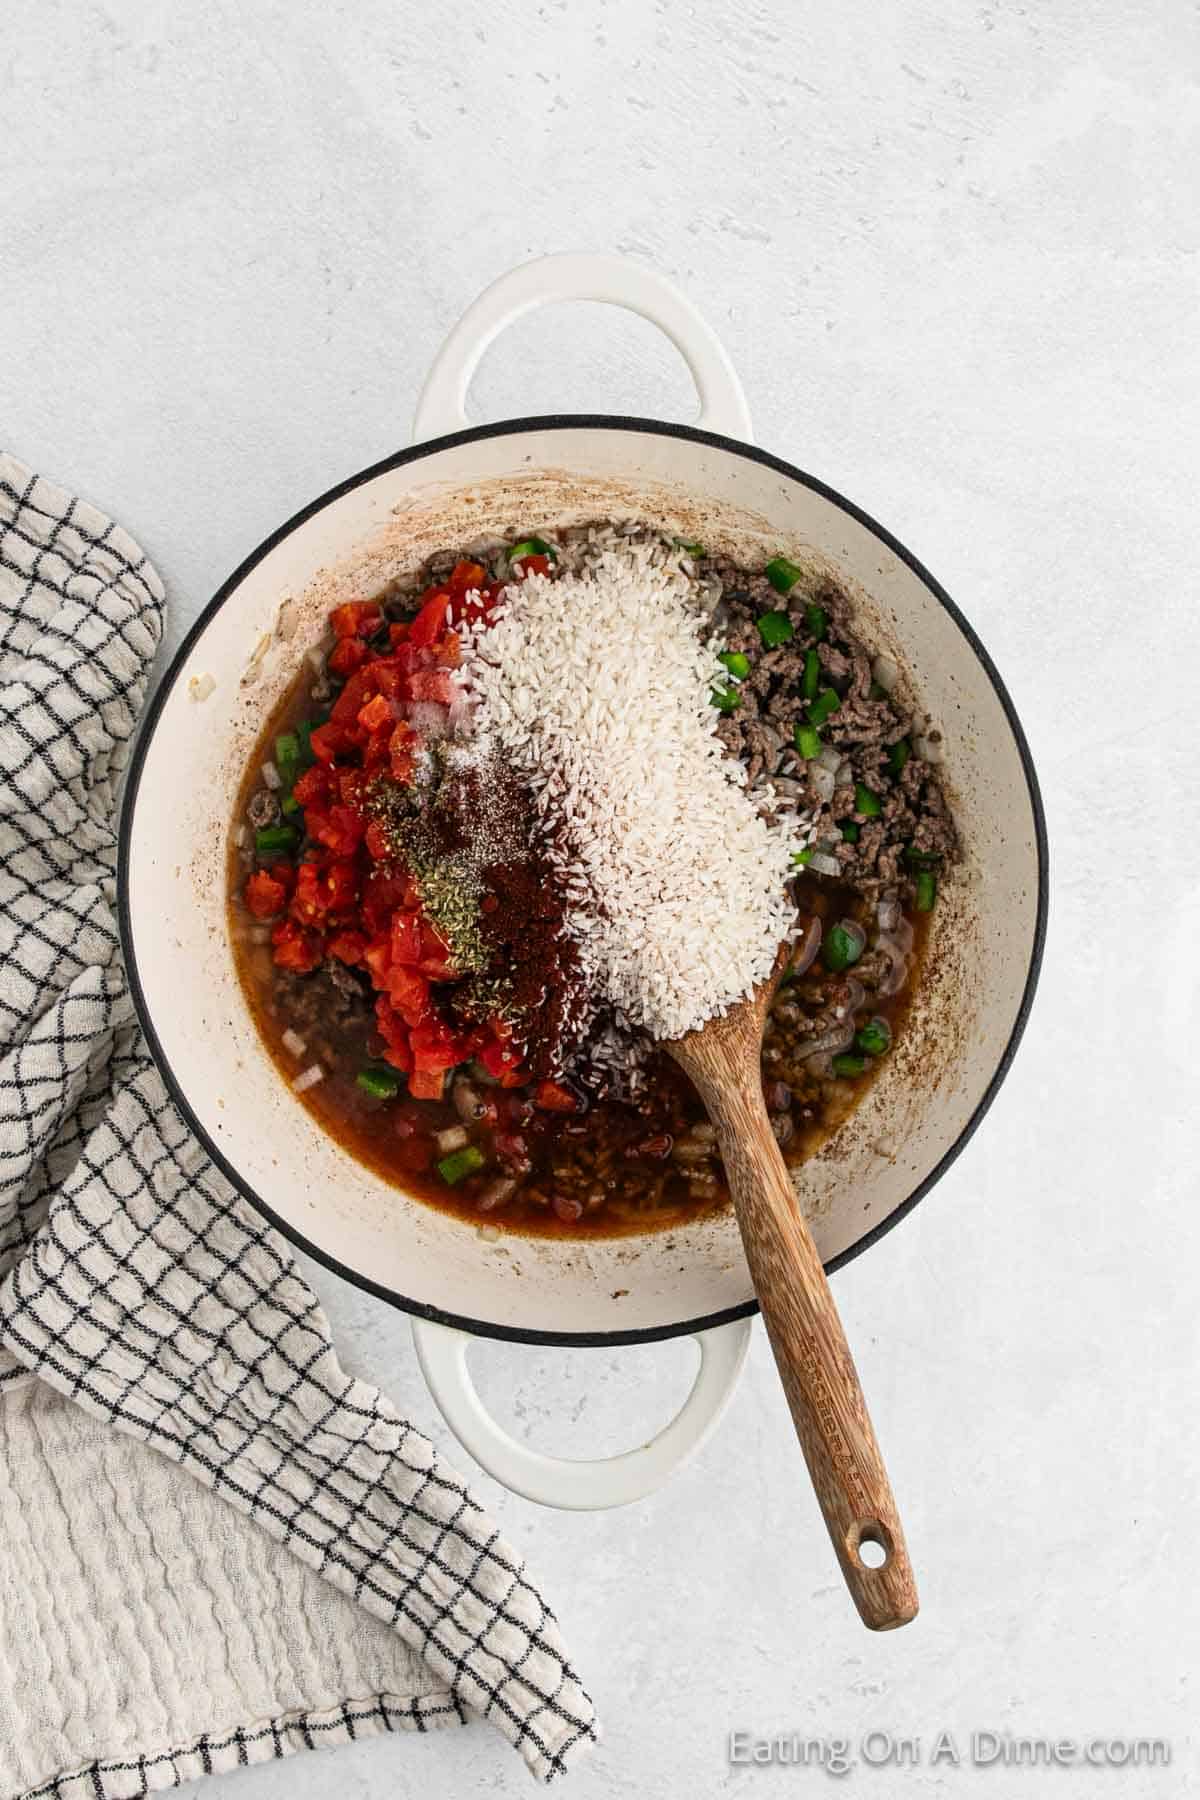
596,684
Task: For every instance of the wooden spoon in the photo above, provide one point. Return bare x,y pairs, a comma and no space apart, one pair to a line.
811,1352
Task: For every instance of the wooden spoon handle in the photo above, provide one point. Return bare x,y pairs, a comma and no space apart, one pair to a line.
814,1360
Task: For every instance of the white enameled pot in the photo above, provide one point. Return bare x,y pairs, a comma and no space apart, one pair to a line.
455,484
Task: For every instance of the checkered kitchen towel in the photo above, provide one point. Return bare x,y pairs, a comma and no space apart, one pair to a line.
215,1546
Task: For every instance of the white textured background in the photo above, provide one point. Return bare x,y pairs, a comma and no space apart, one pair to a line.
953,251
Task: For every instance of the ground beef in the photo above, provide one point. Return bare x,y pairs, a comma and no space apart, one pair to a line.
329,999
759,732
347,984
762,745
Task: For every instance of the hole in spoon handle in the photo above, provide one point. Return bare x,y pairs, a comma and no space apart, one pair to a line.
870,1543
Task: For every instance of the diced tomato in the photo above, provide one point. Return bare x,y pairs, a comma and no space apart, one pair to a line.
448,651
353,697
499,1059
377,712
295,948
357,618
392,1028
409,994
431,684
315,786
402,748
376,841
266,891
351,787
399,1055
340,829
389,678
465,575
406,939
430,622
375,755
324,890
434,1046
426,1084
378,958
332,739
435,958
342,884
433,944
308,902
394,1033
438,968
531,565
397,634
382,894
347,946
551,1096
348,654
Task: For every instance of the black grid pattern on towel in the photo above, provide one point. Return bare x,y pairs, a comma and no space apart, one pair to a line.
130,1778
134,1278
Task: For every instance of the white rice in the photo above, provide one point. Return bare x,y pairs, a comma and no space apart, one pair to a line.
597,687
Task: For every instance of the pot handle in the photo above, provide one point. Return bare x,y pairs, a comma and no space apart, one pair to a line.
585,1485
609,279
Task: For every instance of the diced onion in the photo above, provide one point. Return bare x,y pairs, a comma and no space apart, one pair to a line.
259,934
830,759
896,974
821,864
240,836
309,1079
823,782
805,953
201,686
495,1194
927,749
888,914
831,1042
293,1043
272,777
885,673
453,1138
